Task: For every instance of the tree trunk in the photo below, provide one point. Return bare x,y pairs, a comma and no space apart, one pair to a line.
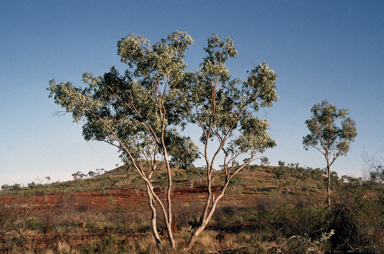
329,186
193,238
153,219
208,216
169,200
170,235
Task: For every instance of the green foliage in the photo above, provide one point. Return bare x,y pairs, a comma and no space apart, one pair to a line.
32,185
111,240
78,175
33,223
223,108
325,134
15,187
128,110
289,220
358,217
264,161
317,174
281,172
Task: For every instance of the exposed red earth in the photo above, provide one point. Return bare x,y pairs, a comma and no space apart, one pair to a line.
99,199
95,200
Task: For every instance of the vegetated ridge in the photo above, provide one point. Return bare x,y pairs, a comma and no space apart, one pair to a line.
266,209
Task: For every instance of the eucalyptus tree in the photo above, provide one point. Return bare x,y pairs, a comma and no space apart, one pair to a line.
329,139
138,112
224,109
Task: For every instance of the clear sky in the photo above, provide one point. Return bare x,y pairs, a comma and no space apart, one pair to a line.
321,50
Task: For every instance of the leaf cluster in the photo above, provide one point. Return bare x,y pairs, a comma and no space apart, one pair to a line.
225,107
135,111
325,135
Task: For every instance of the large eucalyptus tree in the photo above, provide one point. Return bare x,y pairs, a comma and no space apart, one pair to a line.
138,112
224,109
329,139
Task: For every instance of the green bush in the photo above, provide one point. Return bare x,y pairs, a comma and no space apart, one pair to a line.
358,218
278,218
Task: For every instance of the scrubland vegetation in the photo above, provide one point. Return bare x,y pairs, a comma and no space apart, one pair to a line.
266,210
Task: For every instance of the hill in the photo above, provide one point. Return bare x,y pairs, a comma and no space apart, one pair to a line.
265,208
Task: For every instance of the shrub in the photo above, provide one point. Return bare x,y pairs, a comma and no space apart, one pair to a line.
286,219
7,219
298,244
187,215
15,187
124,220
358,218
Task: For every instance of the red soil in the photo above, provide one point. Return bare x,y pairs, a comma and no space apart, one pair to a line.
96,199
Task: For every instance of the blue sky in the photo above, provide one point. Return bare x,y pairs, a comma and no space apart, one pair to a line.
321,50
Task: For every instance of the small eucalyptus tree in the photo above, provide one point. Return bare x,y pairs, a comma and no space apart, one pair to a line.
224,110
331,141
138,112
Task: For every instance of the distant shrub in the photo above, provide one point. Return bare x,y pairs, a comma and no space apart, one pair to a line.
317,174
320,186
15,187
32,185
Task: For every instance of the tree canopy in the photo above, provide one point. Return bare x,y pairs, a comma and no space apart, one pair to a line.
329,139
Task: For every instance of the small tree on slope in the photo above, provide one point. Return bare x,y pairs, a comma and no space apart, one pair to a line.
331,141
